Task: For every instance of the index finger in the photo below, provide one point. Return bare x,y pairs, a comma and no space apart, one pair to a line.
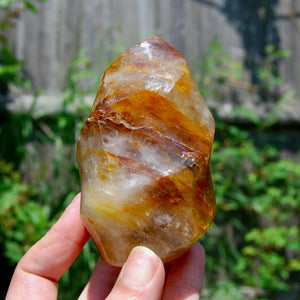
37,273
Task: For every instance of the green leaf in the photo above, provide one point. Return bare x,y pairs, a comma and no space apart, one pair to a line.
247,113
250,251
30,6
294,264
13,252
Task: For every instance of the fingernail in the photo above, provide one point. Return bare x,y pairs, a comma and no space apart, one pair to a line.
139,268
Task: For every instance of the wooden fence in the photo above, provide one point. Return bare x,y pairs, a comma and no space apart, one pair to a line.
48,40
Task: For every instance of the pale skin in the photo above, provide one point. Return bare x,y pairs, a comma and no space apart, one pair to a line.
142,277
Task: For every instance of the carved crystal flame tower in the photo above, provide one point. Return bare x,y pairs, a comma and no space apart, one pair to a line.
144,156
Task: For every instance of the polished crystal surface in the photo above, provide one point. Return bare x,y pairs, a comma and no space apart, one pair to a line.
144,156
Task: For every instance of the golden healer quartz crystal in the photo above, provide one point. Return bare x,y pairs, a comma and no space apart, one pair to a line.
144,156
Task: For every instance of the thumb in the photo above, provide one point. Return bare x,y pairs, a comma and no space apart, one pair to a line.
142,277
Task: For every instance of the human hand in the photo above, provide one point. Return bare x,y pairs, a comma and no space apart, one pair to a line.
142,277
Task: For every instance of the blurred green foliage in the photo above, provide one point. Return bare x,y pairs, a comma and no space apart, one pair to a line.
215,70
258,210
254,241
23,221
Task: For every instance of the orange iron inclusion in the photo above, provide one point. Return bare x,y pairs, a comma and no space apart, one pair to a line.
144,156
